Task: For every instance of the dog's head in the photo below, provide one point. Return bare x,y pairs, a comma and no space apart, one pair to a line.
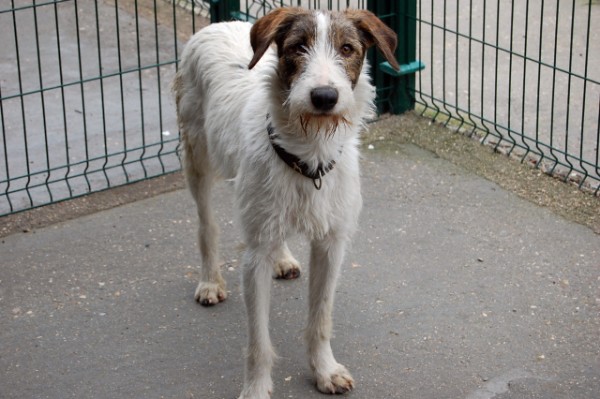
321,56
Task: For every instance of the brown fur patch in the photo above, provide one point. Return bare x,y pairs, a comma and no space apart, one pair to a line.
293,41
264,30
293,29
375,32
344,35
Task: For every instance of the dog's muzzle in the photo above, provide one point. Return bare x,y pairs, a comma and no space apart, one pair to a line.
324,98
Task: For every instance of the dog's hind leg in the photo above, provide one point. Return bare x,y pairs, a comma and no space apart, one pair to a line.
325,263
256,264
286,266
211,289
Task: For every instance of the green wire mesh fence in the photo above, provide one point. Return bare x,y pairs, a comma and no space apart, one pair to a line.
520,75
85,100
250,10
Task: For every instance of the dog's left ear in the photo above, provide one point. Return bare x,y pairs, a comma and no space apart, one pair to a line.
376,33
264,30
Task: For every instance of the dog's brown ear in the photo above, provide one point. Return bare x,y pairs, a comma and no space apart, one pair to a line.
263,31
376,33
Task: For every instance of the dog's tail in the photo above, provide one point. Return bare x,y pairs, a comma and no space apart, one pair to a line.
177,89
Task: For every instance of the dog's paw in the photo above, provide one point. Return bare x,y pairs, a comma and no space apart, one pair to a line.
209,294
287,268
252,395
261,390
338,382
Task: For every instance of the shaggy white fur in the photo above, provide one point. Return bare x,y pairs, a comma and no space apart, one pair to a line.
225,109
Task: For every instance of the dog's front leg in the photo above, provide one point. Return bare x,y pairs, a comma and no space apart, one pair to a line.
257,269
325,263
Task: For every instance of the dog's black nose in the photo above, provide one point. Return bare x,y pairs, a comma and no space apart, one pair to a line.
324,98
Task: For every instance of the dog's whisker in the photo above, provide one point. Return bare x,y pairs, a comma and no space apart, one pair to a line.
326,125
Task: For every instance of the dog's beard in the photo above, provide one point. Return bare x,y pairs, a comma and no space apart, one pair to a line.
321,124
310,123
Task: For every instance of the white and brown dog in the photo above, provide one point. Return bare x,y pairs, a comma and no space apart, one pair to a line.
285,124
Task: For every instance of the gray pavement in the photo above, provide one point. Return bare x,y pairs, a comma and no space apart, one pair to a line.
453,288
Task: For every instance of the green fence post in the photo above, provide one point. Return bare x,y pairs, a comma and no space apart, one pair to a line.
396,89
406,23
222,10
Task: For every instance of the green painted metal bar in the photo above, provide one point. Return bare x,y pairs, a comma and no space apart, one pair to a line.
88,80
42,99
569,85
62,98
552,107
158,87
405,69
584,95
401,17
82,89
74,165
470,65
515,54
141,85
9,178
456,67
102,97
121,93
23,112
524,84
222,10
32,6
539,86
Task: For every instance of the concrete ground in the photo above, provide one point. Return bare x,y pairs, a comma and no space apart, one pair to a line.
454,287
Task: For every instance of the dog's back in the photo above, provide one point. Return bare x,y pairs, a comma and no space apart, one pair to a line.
212,78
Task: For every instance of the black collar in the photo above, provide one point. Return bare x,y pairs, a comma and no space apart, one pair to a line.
296,163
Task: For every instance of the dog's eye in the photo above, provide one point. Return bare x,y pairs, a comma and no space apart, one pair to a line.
346,50
298,48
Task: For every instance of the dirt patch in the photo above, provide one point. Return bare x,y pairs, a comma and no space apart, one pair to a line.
30,220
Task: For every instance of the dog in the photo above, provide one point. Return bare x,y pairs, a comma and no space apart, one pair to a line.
279,106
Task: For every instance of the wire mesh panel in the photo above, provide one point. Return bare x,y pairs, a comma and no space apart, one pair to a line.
257,8
250,10
85,100
521,74
85,96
